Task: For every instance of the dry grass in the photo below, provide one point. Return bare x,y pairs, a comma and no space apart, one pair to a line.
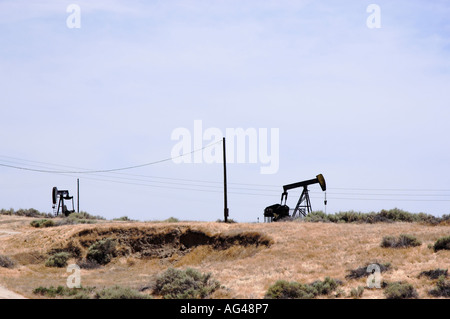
301,252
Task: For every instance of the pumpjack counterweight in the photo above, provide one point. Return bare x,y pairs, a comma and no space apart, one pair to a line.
279,211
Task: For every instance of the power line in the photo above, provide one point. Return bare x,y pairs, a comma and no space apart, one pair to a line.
196,185
109,170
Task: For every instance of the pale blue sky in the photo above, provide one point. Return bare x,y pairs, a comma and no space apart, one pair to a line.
367,108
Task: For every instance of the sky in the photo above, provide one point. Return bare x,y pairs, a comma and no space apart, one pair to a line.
138,82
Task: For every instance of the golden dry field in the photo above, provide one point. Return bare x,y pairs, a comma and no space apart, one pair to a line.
246,258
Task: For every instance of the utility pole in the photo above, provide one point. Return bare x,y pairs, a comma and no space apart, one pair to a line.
78,195
225,203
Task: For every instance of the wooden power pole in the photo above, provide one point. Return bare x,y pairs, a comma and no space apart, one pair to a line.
225,202
78,195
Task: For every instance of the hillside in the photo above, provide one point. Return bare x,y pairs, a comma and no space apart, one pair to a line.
245,258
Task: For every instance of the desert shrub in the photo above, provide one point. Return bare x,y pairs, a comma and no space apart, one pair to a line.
434,273
88,264
62,291
442,288
84,215
283,289
123,218
317,216
357,292
445,219
78,218
398,215
401,242
31,212
102,251
442,243
400,290
391,215
362,271
117,292
185,284
74,221
428,219
6,262
42,223
72,249
6,212
58,260
325,287
350,217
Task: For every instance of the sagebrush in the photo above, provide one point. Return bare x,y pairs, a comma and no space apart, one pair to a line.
6,262
102,251
185,284
400,290
402,241
58,260
283,289
442,288
442,244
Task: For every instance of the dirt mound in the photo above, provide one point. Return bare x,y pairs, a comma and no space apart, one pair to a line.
159,242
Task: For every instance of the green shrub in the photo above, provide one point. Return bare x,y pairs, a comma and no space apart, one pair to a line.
88,264
442,288
435,273
84,215
118,292
283,289
325,287
357,292
115,292
123,218
400,290
391,215
7,212
31,212
317,216
185,284
72,249
401,242
62,291
102,251
6,262
442,243
58,260
42,223
398,215
362,271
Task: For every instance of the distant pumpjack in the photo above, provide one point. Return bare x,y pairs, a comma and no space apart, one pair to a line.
279,211
58,196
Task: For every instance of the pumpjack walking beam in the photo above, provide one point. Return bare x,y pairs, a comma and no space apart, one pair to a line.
305,208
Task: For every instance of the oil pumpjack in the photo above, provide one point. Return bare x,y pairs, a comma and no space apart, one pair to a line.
58,196
279,211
